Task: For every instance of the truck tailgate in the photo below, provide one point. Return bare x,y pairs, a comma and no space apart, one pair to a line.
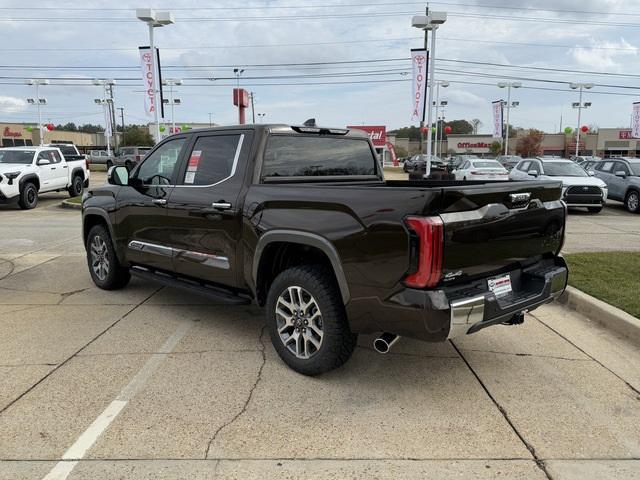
492,228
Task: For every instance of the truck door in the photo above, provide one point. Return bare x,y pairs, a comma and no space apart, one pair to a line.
141,207
205,214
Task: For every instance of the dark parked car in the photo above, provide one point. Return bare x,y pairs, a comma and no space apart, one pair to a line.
509,161
301,221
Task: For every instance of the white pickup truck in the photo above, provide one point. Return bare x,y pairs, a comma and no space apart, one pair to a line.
26,172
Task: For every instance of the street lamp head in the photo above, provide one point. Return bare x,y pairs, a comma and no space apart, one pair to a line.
573,86
42,101
110,81
164,18
147,15
438,18
587,104
420,21
30,81
502,84
31,101
44,82
177,101
575,104
444,103
516,84
96,81
588,86
444,83
515,104
98,101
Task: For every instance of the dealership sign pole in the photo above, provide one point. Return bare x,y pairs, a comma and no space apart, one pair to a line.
420,62
497,119
635,120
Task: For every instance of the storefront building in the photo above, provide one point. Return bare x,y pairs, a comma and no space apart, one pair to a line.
479,145
617,142
18,135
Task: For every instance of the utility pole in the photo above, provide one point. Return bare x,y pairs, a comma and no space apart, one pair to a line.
253,111
112,115
210,119
122,117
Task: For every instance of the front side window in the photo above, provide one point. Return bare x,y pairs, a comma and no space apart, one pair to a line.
303,156
158,168
212,159
55,156
524,166
621,167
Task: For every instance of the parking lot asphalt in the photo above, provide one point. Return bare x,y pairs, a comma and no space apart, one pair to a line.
150,382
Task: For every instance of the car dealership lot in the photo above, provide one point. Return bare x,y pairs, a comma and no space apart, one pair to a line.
182,387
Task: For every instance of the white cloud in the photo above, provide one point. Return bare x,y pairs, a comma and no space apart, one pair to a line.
605,56
12,105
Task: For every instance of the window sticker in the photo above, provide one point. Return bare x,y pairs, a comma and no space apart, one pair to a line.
194,161
190,177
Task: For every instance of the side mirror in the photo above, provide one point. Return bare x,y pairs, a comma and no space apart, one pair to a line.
533,173
43,161
591,173
621,173
118,176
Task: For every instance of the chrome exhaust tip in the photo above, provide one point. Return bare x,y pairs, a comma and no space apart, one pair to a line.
384,342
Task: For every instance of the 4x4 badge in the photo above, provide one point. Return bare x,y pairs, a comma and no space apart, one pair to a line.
519,197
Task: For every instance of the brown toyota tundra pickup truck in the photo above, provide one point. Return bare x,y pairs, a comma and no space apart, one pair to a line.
301,221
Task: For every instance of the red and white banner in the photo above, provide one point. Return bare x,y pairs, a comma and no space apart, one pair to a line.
497,119
149,80
635,120
377,133
420,63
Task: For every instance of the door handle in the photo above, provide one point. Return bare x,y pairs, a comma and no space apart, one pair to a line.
159,201
53,168
221,205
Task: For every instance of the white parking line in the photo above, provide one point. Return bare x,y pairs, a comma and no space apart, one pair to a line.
88,438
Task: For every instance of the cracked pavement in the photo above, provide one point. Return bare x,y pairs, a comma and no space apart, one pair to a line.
558,397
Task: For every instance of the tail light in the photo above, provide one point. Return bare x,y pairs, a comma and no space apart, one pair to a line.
427,240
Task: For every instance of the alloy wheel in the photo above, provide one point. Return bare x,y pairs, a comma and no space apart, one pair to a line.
99,258
632,201
299,322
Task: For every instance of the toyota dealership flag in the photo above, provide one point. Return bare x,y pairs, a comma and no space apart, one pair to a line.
148,78
635,121
420,62
497,119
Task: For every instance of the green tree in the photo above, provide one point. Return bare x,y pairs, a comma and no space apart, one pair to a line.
137,135
529,145
495,148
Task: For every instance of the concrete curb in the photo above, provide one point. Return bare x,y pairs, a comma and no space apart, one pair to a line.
70,205
601,312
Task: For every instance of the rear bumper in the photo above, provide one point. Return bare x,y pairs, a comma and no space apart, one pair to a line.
437,315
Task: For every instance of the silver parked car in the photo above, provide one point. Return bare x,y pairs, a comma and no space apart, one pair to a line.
622,176
131,156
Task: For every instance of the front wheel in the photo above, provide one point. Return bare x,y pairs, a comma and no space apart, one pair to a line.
632,201
307,320
28,196
76,187
104,267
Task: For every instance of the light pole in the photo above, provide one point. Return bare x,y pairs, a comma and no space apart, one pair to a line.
38,102
171,82
237,72
443,106
154,19
122,117
106,106
579,105
444,84
210,114
509,105
430,22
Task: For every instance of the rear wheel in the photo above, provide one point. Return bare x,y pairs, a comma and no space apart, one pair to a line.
104,267
28,196
307,320
76,186
632,201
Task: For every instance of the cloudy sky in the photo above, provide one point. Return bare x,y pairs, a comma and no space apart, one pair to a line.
346,61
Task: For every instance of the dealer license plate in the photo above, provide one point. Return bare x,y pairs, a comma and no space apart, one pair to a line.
500,285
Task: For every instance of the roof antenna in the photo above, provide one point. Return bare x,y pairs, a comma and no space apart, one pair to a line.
310,123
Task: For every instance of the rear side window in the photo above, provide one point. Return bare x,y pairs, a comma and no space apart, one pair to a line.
212,159
301,156
606,166
67,149
524,166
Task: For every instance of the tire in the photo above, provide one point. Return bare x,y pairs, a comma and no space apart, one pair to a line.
329,342
28,196
109,275
109,164
77,185
632,201
465,179
594,209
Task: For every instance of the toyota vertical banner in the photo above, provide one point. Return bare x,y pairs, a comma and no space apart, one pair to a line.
148,78
497,119
635,120
420,62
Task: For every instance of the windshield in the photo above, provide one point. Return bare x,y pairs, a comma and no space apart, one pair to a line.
562,169
16,156
487,164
